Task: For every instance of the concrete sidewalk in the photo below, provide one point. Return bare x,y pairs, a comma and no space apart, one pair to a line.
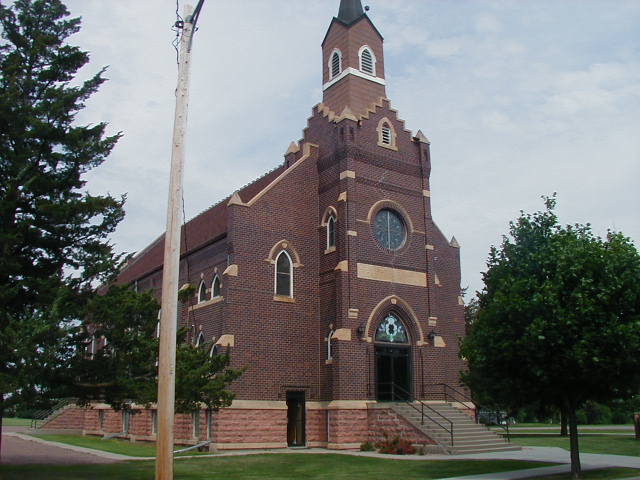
54,452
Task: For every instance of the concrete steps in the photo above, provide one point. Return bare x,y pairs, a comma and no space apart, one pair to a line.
441,418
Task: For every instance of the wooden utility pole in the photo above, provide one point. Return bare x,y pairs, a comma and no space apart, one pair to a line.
171,265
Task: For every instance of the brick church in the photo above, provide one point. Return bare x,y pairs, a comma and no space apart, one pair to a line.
327,278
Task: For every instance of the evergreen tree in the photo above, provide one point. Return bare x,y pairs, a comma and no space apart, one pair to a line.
117,358
53,233
558,319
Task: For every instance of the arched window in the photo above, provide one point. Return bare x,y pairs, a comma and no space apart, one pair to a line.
200,341
335,63
284,275
391,330
331,231
215,350
215,287
367,61
202,292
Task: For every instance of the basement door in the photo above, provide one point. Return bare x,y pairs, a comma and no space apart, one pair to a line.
393,373
296,435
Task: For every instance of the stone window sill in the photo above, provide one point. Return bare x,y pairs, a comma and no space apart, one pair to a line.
213,301
330,250
283,299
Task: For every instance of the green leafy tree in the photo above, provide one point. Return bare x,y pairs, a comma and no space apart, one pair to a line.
53,233
558,319
117,354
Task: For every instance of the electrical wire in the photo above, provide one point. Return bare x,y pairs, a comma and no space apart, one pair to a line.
177,28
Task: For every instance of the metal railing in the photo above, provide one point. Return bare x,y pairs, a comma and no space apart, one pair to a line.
450,394
400,394
41,415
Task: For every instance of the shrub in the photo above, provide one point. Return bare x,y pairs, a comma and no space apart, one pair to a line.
395,445
367,447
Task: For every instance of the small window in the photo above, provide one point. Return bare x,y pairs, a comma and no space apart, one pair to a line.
200,340
367,61
209,424
126,420
154,422
331,232
215,287
214,349
196,424
202,292
284,275
101,419
335,65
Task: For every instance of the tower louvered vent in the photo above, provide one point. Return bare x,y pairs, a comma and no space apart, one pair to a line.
335,65
366,62
386,135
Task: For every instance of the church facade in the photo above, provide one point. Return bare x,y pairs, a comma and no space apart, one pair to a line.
327,278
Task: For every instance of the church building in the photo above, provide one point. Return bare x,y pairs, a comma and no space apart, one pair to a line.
327,279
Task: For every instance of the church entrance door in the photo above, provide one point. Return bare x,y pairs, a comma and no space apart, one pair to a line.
393,373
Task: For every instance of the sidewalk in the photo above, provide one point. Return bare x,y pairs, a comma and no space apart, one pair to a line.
47,452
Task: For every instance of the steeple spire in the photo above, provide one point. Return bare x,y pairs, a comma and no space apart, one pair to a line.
350,10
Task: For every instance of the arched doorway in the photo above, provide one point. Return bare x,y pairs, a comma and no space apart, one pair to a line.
393,359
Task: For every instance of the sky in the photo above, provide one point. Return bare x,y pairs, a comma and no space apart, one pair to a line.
519,99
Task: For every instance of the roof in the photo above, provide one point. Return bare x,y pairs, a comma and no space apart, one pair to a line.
209,226
350,10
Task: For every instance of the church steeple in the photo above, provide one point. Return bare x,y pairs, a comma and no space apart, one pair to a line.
353,61
350,10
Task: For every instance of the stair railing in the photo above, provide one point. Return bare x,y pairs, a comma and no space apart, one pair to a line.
400,394
42,415
451,394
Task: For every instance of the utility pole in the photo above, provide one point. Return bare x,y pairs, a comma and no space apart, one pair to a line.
171,265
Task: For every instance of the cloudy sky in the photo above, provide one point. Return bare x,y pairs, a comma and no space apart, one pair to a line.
519,99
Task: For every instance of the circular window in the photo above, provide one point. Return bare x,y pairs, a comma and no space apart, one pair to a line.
389,229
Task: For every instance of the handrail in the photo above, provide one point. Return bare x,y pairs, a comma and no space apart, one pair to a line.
41,415
467,398
411,400
193,447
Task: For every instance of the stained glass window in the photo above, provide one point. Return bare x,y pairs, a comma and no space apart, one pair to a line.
389,229
391,330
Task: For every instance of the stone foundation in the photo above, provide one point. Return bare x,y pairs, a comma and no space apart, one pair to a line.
249,425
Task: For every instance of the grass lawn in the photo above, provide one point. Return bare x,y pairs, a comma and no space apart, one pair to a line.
16,422
580,431
609,473
609,444
284,466
114,445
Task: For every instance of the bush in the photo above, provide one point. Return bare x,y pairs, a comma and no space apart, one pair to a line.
395,446
367,447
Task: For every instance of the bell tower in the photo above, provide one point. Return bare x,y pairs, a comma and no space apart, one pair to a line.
353,61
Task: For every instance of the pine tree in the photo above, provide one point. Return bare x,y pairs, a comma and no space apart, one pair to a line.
53,233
